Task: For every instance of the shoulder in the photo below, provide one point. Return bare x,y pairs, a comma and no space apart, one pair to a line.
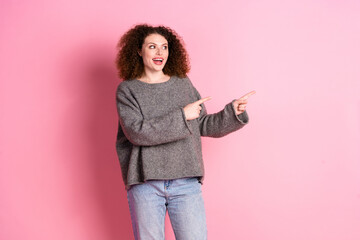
184,81
126,86
186,78
187,86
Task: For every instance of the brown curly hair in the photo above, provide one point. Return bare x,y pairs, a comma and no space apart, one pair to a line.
130,65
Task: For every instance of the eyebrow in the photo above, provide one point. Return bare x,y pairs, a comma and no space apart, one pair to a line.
156,44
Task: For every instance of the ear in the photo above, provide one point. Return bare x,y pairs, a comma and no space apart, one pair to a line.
139,53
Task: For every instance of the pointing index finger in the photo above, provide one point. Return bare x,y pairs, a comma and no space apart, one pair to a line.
246,96
201,101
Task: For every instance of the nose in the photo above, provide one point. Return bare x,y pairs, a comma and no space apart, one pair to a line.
159,51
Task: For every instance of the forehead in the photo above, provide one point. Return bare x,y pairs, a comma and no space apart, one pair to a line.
155,38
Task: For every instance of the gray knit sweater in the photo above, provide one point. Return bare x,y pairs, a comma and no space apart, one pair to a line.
154,139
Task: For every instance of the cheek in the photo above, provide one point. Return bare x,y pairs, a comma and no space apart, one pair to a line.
146,53
147,57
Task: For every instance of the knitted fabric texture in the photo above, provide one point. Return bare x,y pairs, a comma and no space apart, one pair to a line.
155,141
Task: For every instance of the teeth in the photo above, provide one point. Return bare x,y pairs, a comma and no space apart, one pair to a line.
157,59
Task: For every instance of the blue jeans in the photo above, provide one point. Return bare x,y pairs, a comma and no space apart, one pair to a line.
182,198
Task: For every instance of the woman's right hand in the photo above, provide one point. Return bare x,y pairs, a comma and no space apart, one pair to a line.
192,110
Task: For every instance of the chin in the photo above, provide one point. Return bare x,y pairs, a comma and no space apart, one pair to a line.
158,69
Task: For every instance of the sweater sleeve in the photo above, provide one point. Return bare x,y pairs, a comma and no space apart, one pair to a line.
222,123
149,132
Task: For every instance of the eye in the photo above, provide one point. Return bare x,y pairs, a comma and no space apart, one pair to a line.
165,47
152,46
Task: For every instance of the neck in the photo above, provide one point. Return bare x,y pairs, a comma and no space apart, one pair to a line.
154,77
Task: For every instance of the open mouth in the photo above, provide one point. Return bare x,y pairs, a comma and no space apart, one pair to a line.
158,61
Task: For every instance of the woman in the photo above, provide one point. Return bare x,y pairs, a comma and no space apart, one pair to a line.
161,120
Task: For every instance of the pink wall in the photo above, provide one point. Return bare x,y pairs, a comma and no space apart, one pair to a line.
292,173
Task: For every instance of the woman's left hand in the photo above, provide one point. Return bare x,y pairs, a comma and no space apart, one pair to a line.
240,104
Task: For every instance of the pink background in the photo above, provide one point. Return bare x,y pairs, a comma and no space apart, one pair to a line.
292,173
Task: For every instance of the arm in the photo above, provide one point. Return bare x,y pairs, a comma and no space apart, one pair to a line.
221,123
169,127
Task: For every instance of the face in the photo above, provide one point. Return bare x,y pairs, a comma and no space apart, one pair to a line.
154,52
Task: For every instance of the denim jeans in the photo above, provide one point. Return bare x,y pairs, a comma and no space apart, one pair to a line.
182,198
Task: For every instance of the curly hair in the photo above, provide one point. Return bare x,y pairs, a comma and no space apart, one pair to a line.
130,65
